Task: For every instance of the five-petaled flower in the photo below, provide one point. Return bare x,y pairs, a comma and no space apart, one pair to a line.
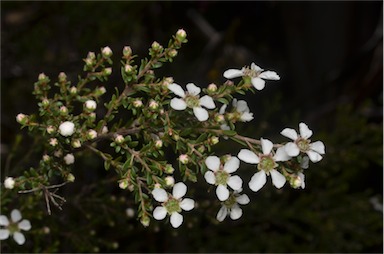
231,206
191,99
266,165
14,226
301,143
220,175
256,74
242,111
172,204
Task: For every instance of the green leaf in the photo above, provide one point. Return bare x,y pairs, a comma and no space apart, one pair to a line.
107,165
229,133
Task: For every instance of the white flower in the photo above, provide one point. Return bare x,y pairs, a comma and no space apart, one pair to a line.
67,128
221,175
231,206
243,110
90,104
69,159
14,226
53,141
192,100
256,74
9,183
172,204
302,143
266,165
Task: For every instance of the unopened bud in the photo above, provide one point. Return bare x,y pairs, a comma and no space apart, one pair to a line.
119,139
107,71
45,102
21,118
70,178
92,134
212,88
73,90
156,46
169,169
69,159
42,77
62,77
104,130
153,105
183,158
63,110
213,140
172,53
90,105
123,184
158,143
106,52
169,181
128,68
145,221
76,143
181,35
9,183
137,103
50,129
127,51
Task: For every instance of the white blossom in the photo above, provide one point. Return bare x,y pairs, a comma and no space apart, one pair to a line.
302,143
90,104
14,227
231,206
69,159
172,204
266,165
67,128
191,99
256,74
9,183
242,109
220,175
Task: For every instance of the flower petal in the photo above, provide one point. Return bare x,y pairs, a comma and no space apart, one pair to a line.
236,212
281,155
176,89
318,147
213,163
222,192
201,114
233,73
314,156
304,162
255,67
4,220
159,213
187,204
235,182
305,132
160,194
15,215
248,156
302,177
207,102
266,145
258,83
176,219
4,234
222,213
232,165
242,106
271,75
291,149
25,225
193,89
19,238
243,199
179,190
246,117
210,177
222,109
278,179
258,180
289,133
178,104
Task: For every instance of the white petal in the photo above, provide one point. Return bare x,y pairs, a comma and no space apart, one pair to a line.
313,156
176,89
289,133
248,156
193,89
25,225
242,106
291,149
305,132
19,238
246,117
232,165
235,182
4,234
210,177
258,83
187,204
201,114
302,177
243,199
4,220
15,215
318,147
236,212
281,155
222,213
213,163
160,194
176,219
278,179
266,145
271,75
222,192
207,102
255,67
179,190
178,104
233,73
159,213
222,109
304,162
258,180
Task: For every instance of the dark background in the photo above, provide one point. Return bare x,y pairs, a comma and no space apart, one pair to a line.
330,60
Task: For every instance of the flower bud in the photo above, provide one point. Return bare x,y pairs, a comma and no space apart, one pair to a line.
70,178
169,181
219,118
156,46
106,52
42,77
73,90
90,105
128,68
181,35
62,77
169,169
67,128
127,51
153,105
137,103
46,158
50,129
69,159
158,143
107,71
101,90
21,118
172,53
145,221
119,139
104,130
123,184
9,183
92,134
76,143
45,102
212,88
63,110
213,140
183,158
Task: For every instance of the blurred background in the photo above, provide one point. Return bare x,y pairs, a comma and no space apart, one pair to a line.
329,56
